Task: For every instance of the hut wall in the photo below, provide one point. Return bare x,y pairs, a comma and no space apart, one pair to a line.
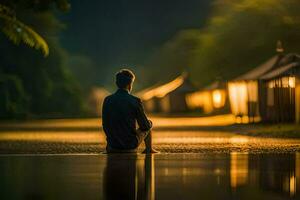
201,99
178,102
252,90
209,101
243,97
238,96
264,99
153,105
149,105
280,101
165,104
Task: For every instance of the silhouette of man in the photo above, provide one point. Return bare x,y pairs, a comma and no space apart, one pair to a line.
121,114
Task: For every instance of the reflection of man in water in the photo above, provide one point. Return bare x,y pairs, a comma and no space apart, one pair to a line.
120,114
129,177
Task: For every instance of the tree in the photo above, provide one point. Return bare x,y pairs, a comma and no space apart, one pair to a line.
32,85
172,58
241,34
238,36
17,31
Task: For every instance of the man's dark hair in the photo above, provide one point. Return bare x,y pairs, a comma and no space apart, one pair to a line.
124,77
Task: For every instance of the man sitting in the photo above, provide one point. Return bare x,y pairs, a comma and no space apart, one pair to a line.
120,115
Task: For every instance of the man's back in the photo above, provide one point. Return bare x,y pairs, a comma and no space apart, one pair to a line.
121,112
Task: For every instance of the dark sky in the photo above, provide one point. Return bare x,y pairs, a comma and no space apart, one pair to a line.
115,33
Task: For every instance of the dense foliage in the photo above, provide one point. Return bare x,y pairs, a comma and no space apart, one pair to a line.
239,35
30,84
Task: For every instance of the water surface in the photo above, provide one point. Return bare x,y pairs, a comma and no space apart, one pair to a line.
162,176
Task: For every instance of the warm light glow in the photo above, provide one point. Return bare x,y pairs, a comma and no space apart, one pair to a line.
95,123
238,169
252,90
48,136
297,172
149,104
162,90
238,96
190,139
292,82
165,104
219,120
206,100
271,84
202,99
219,98
284,82
292,185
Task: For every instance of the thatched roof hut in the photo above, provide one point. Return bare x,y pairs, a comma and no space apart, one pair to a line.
169,97
247,91
209,99
281,97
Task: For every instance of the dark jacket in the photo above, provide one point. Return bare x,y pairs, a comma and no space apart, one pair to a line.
120,115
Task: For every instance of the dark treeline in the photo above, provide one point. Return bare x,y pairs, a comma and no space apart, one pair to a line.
238,36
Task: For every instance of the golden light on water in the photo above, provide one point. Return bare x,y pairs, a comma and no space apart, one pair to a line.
292,185
238,169
192,138
89,130
74,137
219,120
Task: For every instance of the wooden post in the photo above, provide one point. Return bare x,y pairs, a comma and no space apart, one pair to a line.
297,100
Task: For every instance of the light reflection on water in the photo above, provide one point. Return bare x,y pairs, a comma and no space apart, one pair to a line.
219,120
162,176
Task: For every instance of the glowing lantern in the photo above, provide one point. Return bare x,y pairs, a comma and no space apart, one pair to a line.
218,98
292,82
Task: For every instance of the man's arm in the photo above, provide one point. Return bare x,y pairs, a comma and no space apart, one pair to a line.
143,122
104,112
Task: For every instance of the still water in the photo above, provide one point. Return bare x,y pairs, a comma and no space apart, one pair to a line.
63,159
162,176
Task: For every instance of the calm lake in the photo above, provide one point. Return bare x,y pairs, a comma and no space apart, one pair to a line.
160,176
63,159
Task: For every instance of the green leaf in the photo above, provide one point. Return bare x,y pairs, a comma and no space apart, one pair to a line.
18,32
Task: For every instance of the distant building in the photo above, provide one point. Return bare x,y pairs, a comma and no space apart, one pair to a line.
95,99
210,99
281,92
248,93
169,97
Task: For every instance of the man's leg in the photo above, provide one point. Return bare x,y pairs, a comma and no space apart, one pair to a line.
148,143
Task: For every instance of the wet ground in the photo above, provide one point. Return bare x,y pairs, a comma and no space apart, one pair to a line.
63,159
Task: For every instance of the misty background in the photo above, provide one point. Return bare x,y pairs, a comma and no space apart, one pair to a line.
158,40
